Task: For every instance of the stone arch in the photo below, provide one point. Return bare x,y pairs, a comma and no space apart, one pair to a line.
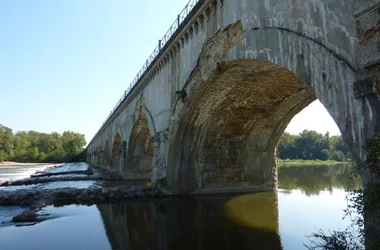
116,153
228,124
140,150
99,155
105,155
227,134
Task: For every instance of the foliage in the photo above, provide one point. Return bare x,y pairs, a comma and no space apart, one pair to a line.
32,146
310,145
335,240
363,209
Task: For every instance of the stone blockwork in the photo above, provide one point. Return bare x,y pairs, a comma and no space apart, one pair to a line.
367,15
218,97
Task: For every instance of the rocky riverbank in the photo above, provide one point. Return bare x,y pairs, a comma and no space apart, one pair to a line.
39,180
66,196
36,199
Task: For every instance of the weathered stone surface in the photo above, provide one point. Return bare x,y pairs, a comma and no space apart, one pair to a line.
368,56
361,7
368,30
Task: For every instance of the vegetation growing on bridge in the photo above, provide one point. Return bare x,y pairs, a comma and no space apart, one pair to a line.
311,145
32,146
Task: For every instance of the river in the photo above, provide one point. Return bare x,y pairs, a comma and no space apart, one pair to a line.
309,198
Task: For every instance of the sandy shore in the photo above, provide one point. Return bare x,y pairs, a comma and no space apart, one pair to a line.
12,163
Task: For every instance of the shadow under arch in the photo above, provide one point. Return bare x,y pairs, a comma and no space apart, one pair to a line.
98,154
116,151
140,151
105,156
227,135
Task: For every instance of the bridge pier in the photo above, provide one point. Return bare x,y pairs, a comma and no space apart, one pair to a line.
367,15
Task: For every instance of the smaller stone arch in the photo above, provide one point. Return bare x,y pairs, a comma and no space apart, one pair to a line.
105,157
140,150
98,155
116,151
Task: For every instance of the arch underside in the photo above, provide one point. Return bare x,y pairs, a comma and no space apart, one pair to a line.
140,151
105,155
116,154
230,127
98,156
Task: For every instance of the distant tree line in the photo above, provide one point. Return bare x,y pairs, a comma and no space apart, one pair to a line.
311,145
32,146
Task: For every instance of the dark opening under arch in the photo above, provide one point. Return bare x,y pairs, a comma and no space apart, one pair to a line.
140,149
106,154
116,151
228,134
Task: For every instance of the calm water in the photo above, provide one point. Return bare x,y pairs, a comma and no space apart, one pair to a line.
309,198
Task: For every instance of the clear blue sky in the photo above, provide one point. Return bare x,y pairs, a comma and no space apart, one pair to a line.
65,63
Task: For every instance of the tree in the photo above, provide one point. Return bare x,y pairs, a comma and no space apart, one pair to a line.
338,155
73,143
311,145
3,156
326,155
6,142
286,147
33,146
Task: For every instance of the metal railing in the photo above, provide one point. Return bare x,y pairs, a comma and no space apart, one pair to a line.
161,43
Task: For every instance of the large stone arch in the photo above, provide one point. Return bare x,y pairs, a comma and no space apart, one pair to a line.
230,120
139,154
116,153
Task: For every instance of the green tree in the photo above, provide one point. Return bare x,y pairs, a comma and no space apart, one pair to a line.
3,156
73,143
311,145
6,142
326,155
338,155
287,147
33,146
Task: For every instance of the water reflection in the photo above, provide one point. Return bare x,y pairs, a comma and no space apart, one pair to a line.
201,222
314,179
252,221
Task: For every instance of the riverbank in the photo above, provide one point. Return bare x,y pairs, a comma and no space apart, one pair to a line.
288,162
16,164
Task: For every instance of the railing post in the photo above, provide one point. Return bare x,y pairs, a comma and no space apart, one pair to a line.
159,45
178,20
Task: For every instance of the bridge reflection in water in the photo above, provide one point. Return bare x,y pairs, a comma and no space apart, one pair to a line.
195,222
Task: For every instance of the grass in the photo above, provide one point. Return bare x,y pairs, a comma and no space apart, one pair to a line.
288,162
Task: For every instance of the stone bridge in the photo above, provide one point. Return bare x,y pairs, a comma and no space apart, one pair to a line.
208,110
